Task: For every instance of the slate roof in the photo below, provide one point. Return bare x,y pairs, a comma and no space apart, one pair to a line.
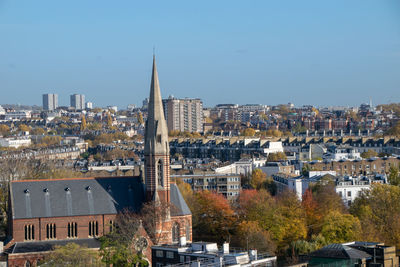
339,251
75,197
83,196
179,206
43,246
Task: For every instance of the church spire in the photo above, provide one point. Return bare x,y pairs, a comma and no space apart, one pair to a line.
156,148
156,127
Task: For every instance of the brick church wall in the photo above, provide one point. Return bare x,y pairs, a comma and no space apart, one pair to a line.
18,226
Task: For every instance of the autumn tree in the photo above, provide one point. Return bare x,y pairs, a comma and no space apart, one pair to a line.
4,130
72,255
378,210
250,235
140,117
313,217
278,156
38,131
249,132
213,218
339,228
288,222
369,154
83,123
258,178
24,128
395,130
109,120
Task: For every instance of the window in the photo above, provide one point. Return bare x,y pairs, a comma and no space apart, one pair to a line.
93,228
175,233
349,193
170,255
159,253
340,193
27,264
160,173
50,230
112,225
181,258
188,231
29,232
72,230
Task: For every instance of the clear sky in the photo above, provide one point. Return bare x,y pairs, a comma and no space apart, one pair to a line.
321,52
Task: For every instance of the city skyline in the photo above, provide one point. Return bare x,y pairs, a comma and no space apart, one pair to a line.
325,54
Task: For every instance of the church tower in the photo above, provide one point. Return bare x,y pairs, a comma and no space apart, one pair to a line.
156,150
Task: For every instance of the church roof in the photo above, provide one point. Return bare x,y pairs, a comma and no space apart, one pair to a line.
180,207
75,196
83,196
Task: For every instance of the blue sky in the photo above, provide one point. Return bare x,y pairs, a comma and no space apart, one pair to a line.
337,52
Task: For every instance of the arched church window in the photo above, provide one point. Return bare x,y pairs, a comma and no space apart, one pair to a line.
188,231
160,175
175,233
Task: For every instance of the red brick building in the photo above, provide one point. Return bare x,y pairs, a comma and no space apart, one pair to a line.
44,213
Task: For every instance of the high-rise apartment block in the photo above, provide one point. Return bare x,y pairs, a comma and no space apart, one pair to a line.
50,101
78,101
184,114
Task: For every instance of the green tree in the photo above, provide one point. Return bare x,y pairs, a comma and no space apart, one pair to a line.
339,228
118,246
71,255
378,210
394,176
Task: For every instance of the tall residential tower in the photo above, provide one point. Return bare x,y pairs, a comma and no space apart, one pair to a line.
50,101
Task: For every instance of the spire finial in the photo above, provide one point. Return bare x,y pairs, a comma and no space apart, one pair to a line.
154,50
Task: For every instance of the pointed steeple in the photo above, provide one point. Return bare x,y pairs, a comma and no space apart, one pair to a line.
156,135
156,147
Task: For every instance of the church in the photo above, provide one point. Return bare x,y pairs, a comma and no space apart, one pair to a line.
44,213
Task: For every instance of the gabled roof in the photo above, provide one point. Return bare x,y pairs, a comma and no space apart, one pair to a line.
339,251
75,196
179,206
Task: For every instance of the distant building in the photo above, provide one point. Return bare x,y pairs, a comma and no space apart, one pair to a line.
2,111
18,115
207,254
226,184
184,114
89,105
50,101
77,101
355,254
347,187
15,142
